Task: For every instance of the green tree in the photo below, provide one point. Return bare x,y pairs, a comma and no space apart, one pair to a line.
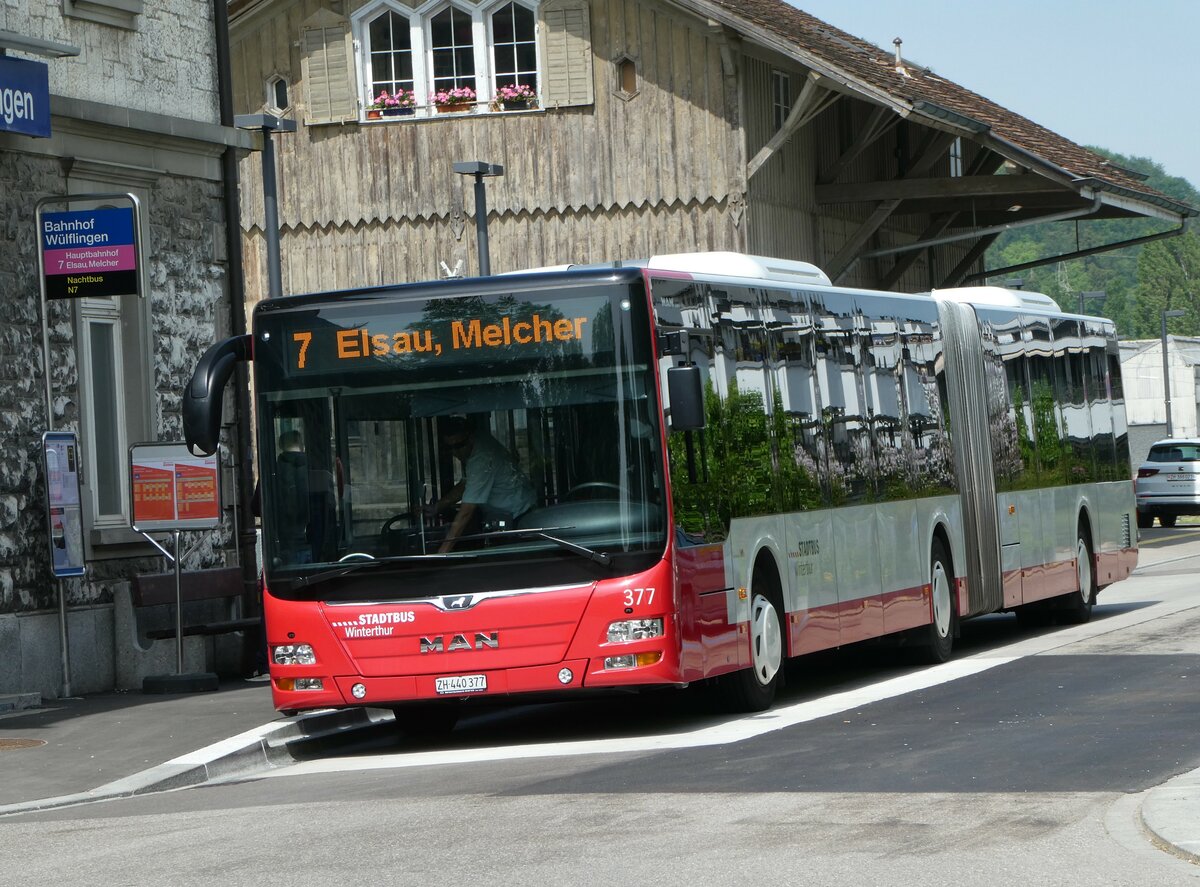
1169,279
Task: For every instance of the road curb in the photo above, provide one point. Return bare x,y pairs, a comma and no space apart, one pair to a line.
243,755
1170,814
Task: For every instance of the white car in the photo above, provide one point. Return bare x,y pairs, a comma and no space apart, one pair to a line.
1168,482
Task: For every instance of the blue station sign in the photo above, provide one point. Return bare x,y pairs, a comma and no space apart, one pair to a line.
91,252
24,97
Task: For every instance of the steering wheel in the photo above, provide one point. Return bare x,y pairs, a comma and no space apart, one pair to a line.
592,485
390,523
356,555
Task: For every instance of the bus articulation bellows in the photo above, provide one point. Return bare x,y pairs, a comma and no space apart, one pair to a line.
732,462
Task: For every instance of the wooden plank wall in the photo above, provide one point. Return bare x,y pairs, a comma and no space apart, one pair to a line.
379,202
780,206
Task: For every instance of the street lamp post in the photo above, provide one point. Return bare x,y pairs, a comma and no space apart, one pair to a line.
267,124
479,169
1167,366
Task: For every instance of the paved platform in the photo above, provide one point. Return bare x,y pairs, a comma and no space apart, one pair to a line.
72,751
75,750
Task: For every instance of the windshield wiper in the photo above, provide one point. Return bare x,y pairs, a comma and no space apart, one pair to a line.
599,557
347,569
591,554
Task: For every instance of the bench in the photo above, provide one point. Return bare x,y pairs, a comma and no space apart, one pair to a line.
199,585
144,625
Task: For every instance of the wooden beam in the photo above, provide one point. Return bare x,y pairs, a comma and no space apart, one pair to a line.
979,206
986,162
939,187
813,99
934,147
955,277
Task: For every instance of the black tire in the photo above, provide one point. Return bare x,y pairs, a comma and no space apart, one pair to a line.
1145,520
1167,520
1075,608
428,720
754,688
936,640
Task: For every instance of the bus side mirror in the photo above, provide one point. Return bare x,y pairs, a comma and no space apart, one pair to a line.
686,394
203,394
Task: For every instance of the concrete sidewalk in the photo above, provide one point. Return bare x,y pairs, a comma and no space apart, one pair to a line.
75,750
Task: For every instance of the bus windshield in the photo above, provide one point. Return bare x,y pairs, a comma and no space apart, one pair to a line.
379,412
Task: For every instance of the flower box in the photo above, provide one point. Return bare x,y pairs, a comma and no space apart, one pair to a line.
516,97
397,104
453,101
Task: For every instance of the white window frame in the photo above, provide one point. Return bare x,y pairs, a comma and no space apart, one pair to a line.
105,312
269,94
491,42
956,158
781,98
421,40
136,406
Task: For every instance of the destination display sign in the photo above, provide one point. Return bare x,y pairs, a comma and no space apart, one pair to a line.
383,340
89,253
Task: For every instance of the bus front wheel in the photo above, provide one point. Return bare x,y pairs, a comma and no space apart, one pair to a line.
753,688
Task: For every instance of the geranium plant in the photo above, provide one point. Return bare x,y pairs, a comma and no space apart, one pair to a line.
459,95
520,92
401,98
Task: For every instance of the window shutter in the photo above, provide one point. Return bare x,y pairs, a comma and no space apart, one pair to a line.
567,41
326,55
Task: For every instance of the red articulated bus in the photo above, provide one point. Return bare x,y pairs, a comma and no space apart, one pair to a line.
683,470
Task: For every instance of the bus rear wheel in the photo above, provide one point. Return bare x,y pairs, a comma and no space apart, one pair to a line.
753,688
937,645
1076,607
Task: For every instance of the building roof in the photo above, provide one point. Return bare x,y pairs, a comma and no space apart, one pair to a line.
914,91
1184,348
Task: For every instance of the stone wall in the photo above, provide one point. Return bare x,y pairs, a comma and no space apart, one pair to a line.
167,65
136,111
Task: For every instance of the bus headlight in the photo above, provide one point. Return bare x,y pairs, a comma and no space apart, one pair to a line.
634,630
293,654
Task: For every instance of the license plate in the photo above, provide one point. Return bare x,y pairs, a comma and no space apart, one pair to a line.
1179,478
462,683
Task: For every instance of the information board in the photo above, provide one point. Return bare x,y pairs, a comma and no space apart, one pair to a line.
171,489
88,253
64,516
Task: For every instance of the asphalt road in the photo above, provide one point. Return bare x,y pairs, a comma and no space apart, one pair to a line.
1022,761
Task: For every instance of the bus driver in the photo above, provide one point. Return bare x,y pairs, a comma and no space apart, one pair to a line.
492,484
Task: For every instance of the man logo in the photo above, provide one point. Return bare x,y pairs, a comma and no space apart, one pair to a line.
462,602
451,643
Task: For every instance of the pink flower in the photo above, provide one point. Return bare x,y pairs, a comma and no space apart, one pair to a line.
459,95
520,92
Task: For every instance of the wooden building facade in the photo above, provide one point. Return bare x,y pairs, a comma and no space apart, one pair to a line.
660,126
